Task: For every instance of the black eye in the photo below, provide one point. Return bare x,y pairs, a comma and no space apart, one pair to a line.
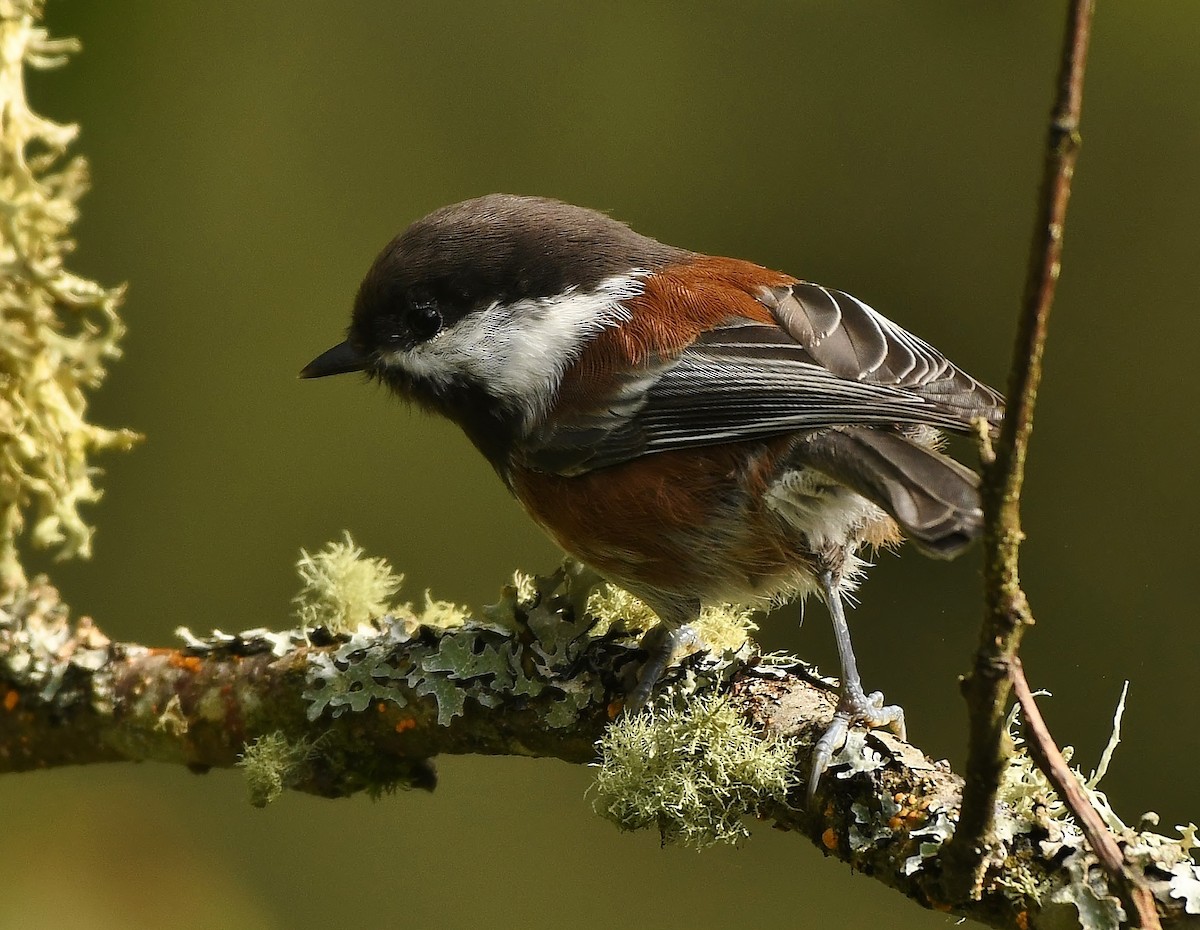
424,319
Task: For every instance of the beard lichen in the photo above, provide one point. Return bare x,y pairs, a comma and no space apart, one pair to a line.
58,331
693,772
341,589
720,627
273,763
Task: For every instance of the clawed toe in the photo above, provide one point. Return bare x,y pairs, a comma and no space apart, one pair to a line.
663,645
854,709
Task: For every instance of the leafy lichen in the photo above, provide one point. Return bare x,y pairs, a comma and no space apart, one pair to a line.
58,331
1030,806
443,653
693,772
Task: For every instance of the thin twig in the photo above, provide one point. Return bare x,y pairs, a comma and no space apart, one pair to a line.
1050,760
1007,614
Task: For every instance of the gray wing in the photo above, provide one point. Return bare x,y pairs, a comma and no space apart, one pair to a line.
831,361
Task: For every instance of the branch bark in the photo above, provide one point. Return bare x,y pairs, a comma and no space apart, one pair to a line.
69,696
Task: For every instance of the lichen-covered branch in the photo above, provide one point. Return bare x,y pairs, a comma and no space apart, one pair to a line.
537,675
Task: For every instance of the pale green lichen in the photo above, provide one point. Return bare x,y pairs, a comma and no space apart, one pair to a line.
57,330
720,627
616,608
524,589
442,653
1185,886
1086,890
341,589
856,757
172,720
1027,795
693,773
931,835
1031,806
272,764
529,646
40,648
870,828
440,615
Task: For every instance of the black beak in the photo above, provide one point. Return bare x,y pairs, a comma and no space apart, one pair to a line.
342,358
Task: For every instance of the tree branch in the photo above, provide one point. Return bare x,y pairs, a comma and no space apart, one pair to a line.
1007,613
1050,760
368,711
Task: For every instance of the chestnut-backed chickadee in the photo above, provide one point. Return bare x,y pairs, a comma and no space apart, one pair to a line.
696,429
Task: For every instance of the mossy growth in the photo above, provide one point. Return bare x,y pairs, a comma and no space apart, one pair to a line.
273,763
693,772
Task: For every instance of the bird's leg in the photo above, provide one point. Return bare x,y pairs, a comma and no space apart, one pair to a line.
855,706
663,643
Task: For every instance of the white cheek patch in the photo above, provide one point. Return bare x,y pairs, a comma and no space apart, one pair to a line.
519,352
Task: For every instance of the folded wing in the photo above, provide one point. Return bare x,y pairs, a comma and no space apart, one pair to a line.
830,361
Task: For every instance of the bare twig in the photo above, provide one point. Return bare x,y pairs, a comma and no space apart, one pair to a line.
1050,760
1007,614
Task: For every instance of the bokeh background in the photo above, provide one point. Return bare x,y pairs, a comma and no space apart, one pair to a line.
250,159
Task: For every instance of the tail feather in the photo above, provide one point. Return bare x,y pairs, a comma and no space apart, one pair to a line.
934,498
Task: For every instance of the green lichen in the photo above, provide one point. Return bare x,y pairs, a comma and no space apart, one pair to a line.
1185,886
41,649
720,627
693,772
342,589
870,827
616,608
1030,806
930,837
57,331
1086,890
443,653
528,646
272,764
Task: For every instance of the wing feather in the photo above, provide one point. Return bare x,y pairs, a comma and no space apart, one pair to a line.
831,361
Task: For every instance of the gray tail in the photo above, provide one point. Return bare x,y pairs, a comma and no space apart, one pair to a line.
934,498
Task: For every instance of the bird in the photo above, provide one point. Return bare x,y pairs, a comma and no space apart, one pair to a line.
696,429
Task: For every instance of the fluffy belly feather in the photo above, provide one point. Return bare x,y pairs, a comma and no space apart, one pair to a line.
728,526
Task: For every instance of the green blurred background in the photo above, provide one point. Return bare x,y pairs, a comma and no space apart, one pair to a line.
250,159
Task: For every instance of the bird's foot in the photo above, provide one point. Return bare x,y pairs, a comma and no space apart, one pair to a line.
855,708
663,644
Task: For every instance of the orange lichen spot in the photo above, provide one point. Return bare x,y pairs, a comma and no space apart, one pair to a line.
1023,920
916,820
615,708
11,697
830,839
405,723
187,663
381,707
